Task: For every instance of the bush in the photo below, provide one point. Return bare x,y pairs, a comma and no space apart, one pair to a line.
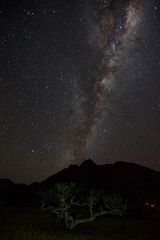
76,204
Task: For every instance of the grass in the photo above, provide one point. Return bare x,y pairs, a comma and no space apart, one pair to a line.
26,232
33,225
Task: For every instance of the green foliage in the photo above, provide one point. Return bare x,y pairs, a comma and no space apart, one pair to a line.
114,204
27,232
67,200
33,225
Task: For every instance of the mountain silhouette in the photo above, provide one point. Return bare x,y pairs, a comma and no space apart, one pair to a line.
131,180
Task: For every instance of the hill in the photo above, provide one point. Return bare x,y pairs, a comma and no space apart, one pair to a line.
131,180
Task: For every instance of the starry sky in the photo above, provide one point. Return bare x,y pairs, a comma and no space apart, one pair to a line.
78,79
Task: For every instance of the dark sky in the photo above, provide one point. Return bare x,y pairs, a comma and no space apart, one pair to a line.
78,80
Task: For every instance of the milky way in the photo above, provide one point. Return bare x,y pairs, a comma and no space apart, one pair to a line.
78,80
118,27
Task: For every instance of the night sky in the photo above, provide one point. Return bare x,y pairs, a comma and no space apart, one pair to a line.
79,79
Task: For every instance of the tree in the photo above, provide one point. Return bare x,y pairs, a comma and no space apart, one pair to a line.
67,200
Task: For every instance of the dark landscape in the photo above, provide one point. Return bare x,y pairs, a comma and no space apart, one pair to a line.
79,119
22,218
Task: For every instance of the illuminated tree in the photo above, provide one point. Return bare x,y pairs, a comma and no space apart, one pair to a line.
67,200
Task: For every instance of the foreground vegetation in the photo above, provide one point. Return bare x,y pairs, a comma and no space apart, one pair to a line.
76,204
26,232
34,225
66,206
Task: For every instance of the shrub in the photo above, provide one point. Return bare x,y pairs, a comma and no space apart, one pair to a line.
67,200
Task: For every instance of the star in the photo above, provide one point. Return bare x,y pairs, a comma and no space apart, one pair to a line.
78,80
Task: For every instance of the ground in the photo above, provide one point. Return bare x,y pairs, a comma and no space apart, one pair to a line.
32,224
